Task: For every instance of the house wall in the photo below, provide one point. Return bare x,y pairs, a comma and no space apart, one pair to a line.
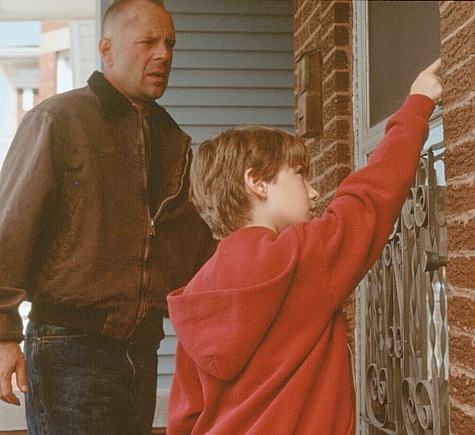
326,26
458,56
232,64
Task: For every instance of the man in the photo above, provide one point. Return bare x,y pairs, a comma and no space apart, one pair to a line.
95,230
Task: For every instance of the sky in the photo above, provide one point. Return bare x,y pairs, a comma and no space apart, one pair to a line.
15,34
19,33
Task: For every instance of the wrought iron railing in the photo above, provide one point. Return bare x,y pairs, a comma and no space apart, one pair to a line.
403,338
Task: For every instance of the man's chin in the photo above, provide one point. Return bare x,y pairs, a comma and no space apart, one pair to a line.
158,93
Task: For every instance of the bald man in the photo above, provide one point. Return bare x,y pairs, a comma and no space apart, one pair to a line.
95,230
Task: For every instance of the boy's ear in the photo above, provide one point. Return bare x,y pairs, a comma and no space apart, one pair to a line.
254,184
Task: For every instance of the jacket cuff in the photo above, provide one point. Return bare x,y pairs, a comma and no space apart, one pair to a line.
11,324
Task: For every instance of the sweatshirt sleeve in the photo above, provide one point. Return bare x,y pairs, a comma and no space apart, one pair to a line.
186,396
26,186
351,233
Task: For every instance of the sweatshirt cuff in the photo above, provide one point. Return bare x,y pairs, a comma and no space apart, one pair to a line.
419,105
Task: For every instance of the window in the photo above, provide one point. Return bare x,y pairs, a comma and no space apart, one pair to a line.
393,42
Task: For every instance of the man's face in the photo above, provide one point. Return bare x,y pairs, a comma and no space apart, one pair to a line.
138,50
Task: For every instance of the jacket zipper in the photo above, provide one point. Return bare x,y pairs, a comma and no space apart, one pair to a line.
170,198
144,284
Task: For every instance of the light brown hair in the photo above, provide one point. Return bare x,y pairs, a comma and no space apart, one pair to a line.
217,172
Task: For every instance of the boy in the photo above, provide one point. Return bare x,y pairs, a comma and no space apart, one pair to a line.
262,339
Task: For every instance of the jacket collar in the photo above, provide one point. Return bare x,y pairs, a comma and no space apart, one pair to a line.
175,141
110,99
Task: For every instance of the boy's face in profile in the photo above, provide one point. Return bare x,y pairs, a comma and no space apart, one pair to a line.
290,198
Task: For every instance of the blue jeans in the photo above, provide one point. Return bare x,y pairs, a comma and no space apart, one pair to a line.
81,384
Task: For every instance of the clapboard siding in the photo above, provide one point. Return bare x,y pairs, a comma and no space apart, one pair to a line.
230,7
233,41
211,78
234,60
272,97
166,360
233,64
221,116
238,23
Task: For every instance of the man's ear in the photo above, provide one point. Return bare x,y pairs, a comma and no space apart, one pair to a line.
254,184
105,51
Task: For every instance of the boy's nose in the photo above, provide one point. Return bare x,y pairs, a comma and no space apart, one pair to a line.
313,194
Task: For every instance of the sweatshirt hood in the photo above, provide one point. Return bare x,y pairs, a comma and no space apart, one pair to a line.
221,327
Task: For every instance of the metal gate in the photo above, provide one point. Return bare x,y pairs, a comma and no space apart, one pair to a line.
402,334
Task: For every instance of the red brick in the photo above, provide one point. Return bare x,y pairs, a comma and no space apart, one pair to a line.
454,14
460,81
343,104
456,161
342,12
459,121
462,388
460,313
461,423
47,75
341,59
342,81
459,198
341,35
461,235
462,349
459,46
337,130
461,274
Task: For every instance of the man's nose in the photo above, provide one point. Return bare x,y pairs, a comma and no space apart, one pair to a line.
163,50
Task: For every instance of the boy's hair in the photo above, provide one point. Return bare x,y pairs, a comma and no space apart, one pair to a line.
217,172
117,8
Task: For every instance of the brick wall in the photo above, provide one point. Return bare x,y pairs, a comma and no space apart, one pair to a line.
458,55
48,83
48,64
326,26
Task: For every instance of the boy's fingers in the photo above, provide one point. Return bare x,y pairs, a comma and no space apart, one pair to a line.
435,67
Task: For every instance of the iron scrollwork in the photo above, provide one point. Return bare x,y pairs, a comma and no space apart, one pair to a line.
405,316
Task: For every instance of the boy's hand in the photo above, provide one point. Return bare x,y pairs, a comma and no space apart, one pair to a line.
11,361
429,83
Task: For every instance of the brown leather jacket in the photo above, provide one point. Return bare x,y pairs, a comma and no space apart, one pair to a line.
76,234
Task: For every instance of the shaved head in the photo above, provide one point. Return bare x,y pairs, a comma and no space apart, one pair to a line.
136,47
116,13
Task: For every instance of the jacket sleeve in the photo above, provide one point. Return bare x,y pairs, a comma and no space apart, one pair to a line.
350,235
186,396
26,186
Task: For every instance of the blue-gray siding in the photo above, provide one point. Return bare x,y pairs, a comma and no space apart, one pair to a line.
233,65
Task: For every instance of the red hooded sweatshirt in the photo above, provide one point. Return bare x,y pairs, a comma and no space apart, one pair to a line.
262,338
